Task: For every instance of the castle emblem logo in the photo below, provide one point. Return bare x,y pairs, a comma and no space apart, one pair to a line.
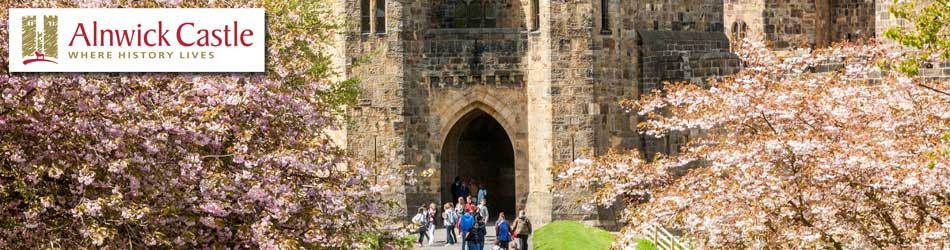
40,45
136,40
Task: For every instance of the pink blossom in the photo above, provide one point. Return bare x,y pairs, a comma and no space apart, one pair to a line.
786,159
183,161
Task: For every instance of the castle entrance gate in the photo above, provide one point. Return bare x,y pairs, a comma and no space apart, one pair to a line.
479,149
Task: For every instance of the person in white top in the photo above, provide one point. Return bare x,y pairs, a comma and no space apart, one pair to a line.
420,221
483,210
432,212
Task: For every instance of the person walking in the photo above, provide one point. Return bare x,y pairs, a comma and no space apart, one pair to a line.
480,232
460,206
420,221
471,237
482,193
522,230
463,189
483,210
502,231
430,215
460,210
457,188
470,205
466,222
449,219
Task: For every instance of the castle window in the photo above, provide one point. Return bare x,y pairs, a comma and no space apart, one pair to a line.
472,14
364,16
491,14
369,17
535,15
742,30
380,16
738,31
605,17
735,30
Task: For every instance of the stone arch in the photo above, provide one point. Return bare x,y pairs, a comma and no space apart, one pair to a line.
462,111
504,119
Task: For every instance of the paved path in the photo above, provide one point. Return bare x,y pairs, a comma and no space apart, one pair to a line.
439,243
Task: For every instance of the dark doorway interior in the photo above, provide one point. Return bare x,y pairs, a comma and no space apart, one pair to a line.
479,149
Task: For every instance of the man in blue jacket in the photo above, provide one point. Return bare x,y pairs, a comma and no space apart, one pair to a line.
465,224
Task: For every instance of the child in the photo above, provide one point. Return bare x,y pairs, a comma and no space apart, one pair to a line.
449,218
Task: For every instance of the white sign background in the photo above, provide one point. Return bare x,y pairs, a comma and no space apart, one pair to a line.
226,59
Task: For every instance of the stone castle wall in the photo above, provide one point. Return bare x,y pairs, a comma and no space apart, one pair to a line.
791,24
422,78
459,70
376,130
571,48
853,19
680,56
744,18
444,14
554,89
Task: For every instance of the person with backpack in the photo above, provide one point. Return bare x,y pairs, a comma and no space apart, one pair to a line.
522,230
483,210
471,238
476,235
466,222
502,231
420,220
449,218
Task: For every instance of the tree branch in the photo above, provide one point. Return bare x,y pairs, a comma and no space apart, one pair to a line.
933,89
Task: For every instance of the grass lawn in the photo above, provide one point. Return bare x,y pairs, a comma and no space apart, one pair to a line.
402,243
645,245
572,235
564,235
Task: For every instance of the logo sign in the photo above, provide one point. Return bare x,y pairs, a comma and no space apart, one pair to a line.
136,40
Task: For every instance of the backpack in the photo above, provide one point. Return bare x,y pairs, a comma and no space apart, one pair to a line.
419,219
503,231
522,226
483,211
450,217
472,235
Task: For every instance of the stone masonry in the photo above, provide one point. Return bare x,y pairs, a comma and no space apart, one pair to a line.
540,81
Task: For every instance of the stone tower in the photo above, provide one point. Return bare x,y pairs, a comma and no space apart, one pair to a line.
498,91
788,24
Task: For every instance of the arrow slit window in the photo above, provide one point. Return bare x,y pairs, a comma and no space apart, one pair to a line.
605,16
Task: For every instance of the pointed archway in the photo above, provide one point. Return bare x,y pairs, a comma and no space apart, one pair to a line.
479,149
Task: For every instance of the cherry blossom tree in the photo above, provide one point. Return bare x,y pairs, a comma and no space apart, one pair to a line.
785,156
926,30
137,161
